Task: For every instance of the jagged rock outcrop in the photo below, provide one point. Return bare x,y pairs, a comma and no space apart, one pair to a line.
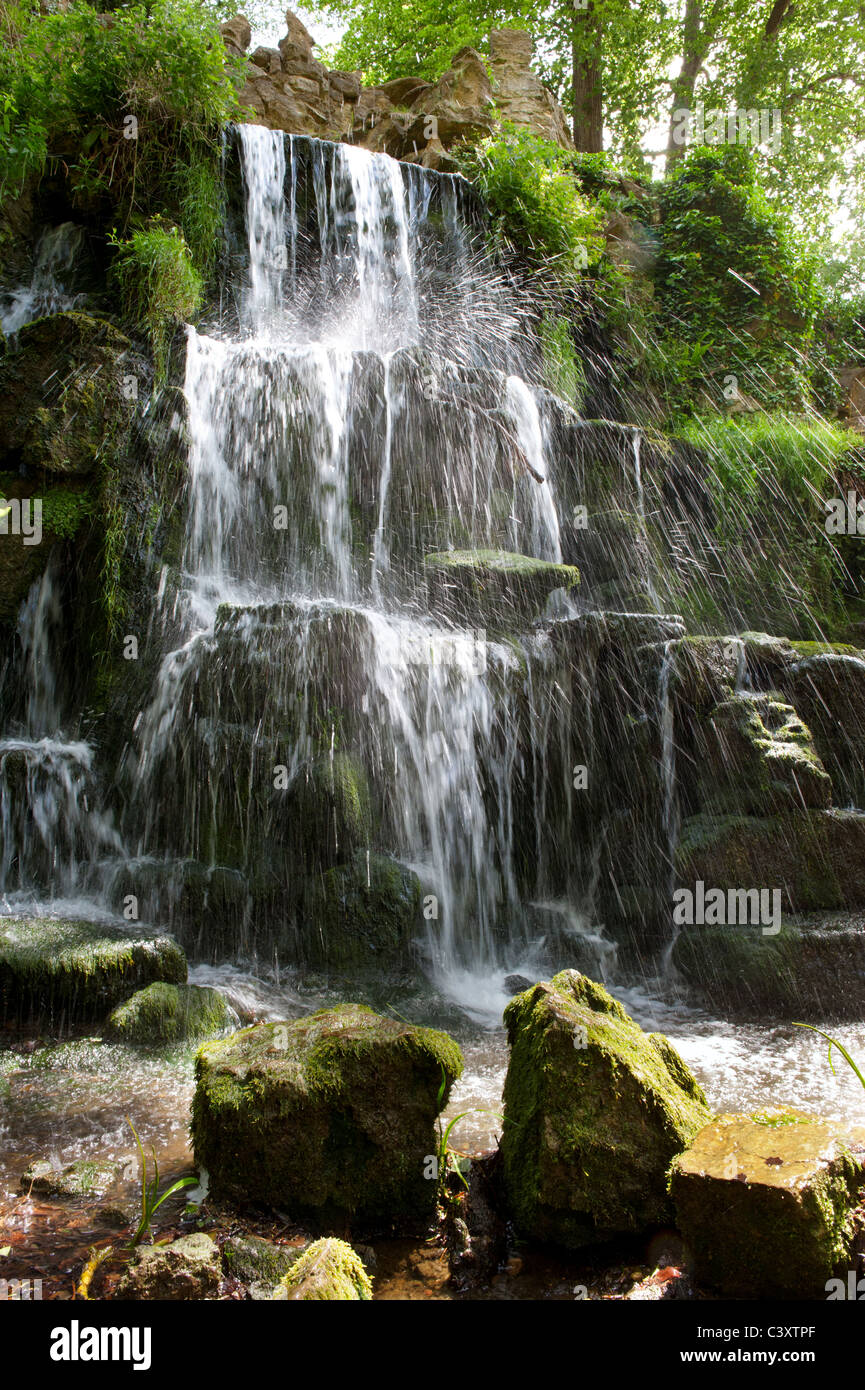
287,88
520,95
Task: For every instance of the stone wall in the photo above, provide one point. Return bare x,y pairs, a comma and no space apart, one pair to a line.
287,88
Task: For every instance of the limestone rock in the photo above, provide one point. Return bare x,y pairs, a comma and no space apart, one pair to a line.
329,1117
519,94
237,33
188,1268
765,1202
493,587
86,1177
595,1110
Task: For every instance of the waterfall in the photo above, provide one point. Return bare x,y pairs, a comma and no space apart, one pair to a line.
54,832
54,262
331,446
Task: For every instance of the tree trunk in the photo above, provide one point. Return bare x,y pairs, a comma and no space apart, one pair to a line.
588,109
695,46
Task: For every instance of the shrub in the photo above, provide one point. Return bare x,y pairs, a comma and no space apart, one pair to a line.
536,208
158,283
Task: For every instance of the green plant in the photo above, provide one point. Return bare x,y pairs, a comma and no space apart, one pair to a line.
158,283
833,1042
151,1201
536,207
447,1159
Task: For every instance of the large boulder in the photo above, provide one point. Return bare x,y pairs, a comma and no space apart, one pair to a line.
365,913
329,1270
595,1110
758,757
188,1268
64,970
163,1015
519,95
330,1118
765,1203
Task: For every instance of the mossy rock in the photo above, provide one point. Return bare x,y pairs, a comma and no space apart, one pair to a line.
813,968
329,1118
816,858
86,1177
258,1263
493,588
329,1270
361,914
77,969
765,1203
162,1015
186,1269
755,756
595,1109
61,394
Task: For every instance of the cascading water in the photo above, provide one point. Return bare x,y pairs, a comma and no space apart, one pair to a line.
54,832
331,444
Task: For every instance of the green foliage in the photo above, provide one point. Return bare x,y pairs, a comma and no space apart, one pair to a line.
731,284
158,283
536,208
63,511
771,455
563,371
151,1201
129,106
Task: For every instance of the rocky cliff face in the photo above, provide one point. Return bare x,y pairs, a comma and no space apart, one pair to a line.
287,88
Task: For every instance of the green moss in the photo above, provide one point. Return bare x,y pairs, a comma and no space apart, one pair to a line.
361,914
255,1261
330,1115
76,968
328,1270
594,1111
164,1014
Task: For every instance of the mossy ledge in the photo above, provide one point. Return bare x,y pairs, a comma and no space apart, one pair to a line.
56,969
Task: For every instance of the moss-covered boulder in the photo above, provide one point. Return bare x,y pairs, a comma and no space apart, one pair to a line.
86,1177
595,1109
328,1270
813,968
64,970
765,1203
188,1268
62,394
493,588
330,1117
365,913
816,858
165,1014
